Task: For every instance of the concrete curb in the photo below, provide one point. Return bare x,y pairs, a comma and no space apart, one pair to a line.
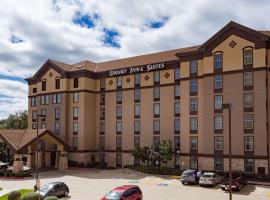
259,183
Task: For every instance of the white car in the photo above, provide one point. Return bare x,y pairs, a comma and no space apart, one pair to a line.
210,179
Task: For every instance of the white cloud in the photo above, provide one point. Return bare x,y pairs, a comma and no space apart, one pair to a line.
47,29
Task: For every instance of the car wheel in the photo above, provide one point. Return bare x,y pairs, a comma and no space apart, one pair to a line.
66,194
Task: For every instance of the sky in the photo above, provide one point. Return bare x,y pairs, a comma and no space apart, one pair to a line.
32,31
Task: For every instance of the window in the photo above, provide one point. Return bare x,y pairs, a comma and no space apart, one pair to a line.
156,124
249,165
57,113
156,109
177,142
193,123
156,142
34,125
248,121
137,141
218,122
248,100
219,164
119,159
102,112
177,107
218,102
102,98
156,92
137,94
193,85
193,162
56,98
75,83
44,99
57,83
248,79
75,113
118,142
119,111
75,97
156,77
119,81
34,115
193,142
33,101
102,127
118,126
137,110
194,104
102,83
119,96
193,66
43,111
177,125
177,74
43,126
101,142
218,81
218,61
34,90
44,85
75,128
218,143
136,126
177,90
248,57
75,142
57,127
248,143
137,79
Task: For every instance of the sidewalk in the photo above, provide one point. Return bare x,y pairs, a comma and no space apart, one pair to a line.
3,192
259,183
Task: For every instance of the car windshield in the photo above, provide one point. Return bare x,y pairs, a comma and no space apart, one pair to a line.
207,175
45,188
113,195
187,173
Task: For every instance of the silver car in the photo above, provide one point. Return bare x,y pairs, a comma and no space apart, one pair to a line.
210,179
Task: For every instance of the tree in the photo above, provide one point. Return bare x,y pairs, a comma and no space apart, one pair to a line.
166,151
15,121
137,153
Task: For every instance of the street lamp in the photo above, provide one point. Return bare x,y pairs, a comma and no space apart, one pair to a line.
178,159
229,107
36,187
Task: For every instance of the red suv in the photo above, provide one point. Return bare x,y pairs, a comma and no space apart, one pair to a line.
125,192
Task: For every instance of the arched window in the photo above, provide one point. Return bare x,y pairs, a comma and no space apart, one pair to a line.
248,55
218,60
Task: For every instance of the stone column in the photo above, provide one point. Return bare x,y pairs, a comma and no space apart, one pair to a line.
17,163
63,161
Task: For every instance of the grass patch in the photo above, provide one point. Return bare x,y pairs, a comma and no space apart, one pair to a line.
22,191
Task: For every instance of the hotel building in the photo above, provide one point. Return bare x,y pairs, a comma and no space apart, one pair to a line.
103,109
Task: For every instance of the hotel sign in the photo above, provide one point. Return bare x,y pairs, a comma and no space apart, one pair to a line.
131,70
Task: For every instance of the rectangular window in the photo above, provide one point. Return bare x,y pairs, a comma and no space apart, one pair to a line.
34,115
156,124
102,142
119,96
102,83
218,122
42,100
219,164
33,101
218,143
119,81
193,104
248,79
57,83
248,121
75,97
177,90
218,61
249,165
102,98
137,94
75,142
56,98
118,126
137,126
193,142
34,125
75,113
177,142
119,111
137,110
156,77
193,86
248,100
102,127
177,74
34,90
44,85
118,159
248,60
193,162
248,143
218,102
177,125
193,123
102,112
57,127
193,66
118,142
156,142
75,128
177,107
137,79
43,125
57,113
156,92
75,83
156,109
218,82
43,111
137,141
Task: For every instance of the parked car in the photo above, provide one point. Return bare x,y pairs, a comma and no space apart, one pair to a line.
238,181
210,179
3,165
189,177
125,192
57,189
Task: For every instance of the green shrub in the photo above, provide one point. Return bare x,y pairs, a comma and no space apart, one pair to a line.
51,198
23,174
31,196
91,164
2,172
8,173
14,195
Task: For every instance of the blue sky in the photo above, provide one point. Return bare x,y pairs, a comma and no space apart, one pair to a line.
75,30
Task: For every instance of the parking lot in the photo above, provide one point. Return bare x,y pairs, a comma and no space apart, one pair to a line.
93,184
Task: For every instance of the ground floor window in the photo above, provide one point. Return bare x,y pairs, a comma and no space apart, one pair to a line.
249,165
193,162
219,164
75,142
102,157
118,159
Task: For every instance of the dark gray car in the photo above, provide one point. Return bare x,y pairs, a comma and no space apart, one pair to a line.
189,177
57,189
